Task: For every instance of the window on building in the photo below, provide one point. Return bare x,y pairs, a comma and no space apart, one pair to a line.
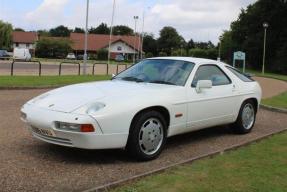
17,44
119,48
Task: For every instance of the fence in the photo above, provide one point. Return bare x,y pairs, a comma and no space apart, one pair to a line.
105,69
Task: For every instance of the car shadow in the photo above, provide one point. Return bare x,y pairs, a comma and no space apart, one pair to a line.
74,155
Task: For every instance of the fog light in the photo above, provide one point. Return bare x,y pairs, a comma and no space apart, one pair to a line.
74,127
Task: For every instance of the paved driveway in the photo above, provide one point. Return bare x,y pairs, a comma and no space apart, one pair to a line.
27,164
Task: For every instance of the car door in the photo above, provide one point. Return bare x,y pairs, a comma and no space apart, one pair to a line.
213,106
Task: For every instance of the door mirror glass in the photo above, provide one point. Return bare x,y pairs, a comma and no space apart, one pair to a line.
203,84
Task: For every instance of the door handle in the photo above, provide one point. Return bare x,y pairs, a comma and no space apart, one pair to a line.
233,88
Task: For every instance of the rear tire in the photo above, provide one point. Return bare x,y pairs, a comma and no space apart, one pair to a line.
147,136
246,118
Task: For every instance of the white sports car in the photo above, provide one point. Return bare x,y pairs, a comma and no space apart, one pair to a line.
142,106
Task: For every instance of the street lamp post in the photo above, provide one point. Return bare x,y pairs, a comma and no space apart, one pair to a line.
135,40
86,40
111,33
265,26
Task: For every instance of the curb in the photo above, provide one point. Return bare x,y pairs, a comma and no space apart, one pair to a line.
121,182
273,109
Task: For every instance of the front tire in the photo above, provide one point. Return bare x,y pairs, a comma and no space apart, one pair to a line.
246,118
147,136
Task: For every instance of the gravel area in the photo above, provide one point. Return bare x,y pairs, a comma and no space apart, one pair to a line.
271,87
27,164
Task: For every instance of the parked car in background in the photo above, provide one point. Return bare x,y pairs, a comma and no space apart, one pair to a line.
144,105
22,54
4,55
71,56
120,58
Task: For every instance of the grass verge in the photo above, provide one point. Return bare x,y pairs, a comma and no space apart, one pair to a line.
258,167
267,74
279,101
45,81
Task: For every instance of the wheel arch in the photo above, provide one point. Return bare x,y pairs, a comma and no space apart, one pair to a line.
254,100
161,109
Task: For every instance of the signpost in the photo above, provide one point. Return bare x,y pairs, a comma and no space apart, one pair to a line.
241,56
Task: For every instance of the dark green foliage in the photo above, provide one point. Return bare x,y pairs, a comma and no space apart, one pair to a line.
122,30
162,54
101,29
169,39
247,34
53,48
150,44
102,54
6,30
60,31
149,55
19,29
78,30
203,53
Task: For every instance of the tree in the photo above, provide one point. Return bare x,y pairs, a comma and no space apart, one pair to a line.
204,45
19,29
79,30
122,30
6,30
60,31
102,54
150,44
169,39
190,44
227,46
101,29
43,33
53,48
247,33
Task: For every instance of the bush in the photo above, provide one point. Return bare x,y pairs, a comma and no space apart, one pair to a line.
162,54
102,54
149,55
53,48
203,53
179,52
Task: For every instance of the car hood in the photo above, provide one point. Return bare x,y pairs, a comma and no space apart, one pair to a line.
69,98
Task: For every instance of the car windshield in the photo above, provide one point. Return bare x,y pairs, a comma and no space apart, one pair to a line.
160,71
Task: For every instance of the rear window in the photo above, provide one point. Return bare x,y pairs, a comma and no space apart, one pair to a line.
240,75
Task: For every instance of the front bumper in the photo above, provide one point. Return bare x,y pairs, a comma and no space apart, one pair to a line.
45,119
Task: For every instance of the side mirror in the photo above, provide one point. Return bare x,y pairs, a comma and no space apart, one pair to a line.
113,75
203,84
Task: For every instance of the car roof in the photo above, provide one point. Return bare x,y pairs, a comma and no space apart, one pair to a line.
194,60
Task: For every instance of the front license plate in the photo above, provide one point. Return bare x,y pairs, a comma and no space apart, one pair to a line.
45,132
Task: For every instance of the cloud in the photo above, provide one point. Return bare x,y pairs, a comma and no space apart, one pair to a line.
200,20
47,14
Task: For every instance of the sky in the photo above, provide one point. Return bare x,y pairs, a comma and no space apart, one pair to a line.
200,20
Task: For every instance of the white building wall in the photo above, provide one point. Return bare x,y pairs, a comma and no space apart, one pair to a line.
24,45
121,47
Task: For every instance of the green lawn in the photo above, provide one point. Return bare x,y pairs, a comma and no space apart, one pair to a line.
267,74
35,81
277,101
258,167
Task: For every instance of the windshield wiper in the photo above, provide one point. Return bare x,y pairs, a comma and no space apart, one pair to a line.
132,79
162,82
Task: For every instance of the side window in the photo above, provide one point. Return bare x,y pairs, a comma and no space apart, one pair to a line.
240,75
210,72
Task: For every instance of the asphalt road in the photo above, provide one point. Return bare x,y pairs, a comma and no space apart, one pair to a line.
27,164
22,68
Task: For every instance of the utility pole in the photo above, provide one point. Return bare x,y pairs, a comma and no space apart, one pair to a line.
135,40
265,26
86,40
111,33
